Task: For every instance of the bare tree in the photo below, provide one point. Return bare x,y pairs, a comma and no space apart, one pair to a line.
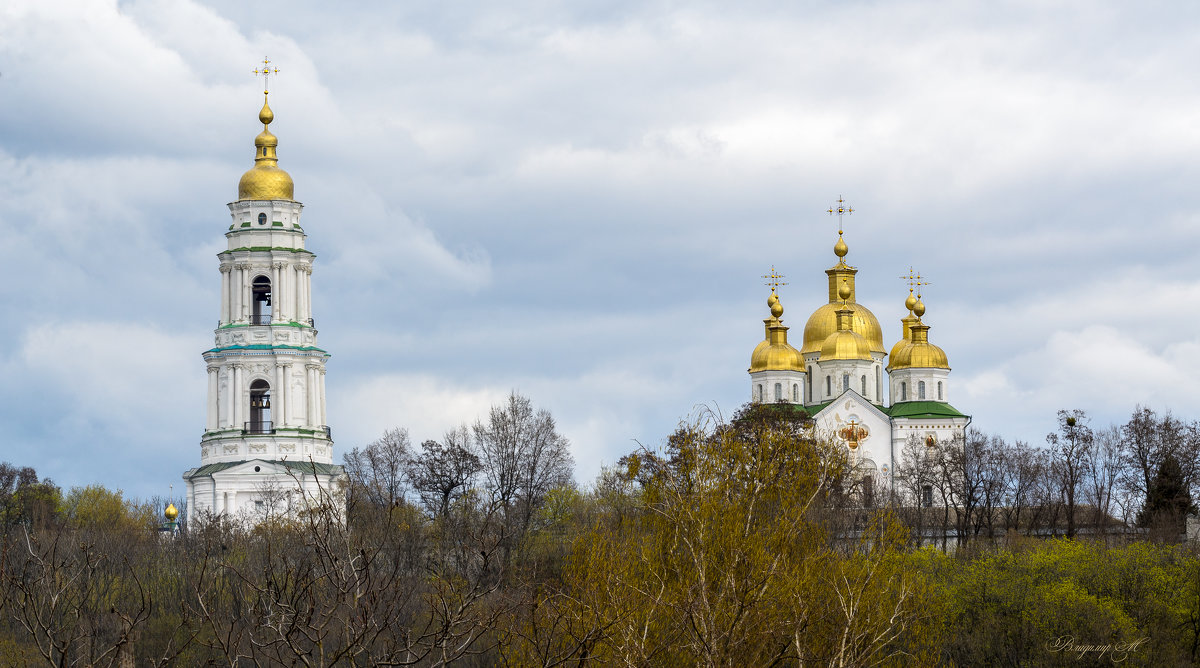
377,473
1103,470
1071,450
524,457
444,471
1022,467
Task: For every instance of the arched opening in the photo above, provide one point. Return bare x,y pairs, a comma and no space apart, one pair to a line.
261,301
260,408
940,391
808,397
845,382
921,390
878,386
778,392
795,393
864,385
758,394
828,386
262,217
926,496
903,391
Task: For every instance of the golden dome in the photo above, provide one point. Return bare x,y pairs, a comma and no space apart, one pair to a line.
919,353
774,353
265,180
824,321
844,343
171,512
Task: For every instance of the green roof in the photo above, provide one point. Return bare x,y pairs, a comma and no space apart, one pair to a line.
923,409
299,467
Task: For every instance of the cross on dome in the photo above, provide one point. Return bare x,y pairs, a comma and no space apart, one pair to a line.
774,277
843,208
266,72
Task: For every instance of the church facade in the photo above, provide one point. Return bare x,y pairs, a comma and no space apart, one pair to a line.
868,398
267,447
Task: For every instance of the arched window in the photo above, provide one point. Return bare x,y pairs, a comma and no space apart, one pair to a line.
864,385
828,386
262,217
878,386
809,397
759,397
921,390
262,301
940,391
778,392
845,382
903,391
260,408
795,393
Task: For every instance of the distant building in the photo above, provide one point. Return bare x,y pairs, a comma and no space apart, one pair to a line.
267,447
838,375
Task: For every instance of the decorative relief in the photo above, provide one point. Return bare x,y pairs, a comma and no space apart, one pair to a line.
231,449
204,452
258,447
287,447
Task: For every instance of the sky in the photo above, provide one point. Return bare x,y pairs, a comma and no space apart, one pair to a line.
577,200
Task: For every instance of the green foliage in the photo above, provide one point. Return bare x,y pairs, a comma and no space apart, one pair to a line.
97,507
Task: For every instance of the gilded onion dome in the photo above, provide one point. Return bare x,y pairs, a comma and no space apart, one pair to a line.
845,343
774,353
171,512
824,321
919,353
265,180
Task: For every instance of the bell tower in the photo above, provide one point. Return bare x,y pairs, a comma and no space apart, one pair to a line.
267,447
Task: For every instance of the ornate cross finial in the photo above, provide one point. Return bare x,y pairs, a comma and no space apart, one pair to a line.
920,280
912,278
774,277
266,72
843,208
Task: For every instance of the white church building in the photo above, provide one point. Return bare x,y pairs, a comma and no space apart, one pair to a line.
837,375
267,446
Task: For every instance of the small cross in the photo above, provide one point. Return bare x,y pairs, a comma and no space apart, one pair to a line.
920,280
774,276
843,208
266,71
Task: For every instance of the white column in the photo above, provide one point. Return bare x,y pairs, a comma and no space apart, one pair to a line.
285,413
277,396
211,423
236,393
281,297
227,400
321,390
308,291
224,294
298,315
246,298
311,394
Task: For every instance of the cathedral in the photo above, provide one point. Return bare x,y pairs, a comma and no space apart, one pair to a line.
267,447
837,375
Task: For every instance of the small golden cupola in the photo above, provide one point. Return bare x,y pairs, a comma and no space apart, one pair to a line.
824,321
919,353
265,180
845,343
906,324
774,353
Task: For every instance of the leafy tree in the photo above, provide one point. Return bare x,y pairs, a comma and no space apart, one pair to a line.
1168,500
